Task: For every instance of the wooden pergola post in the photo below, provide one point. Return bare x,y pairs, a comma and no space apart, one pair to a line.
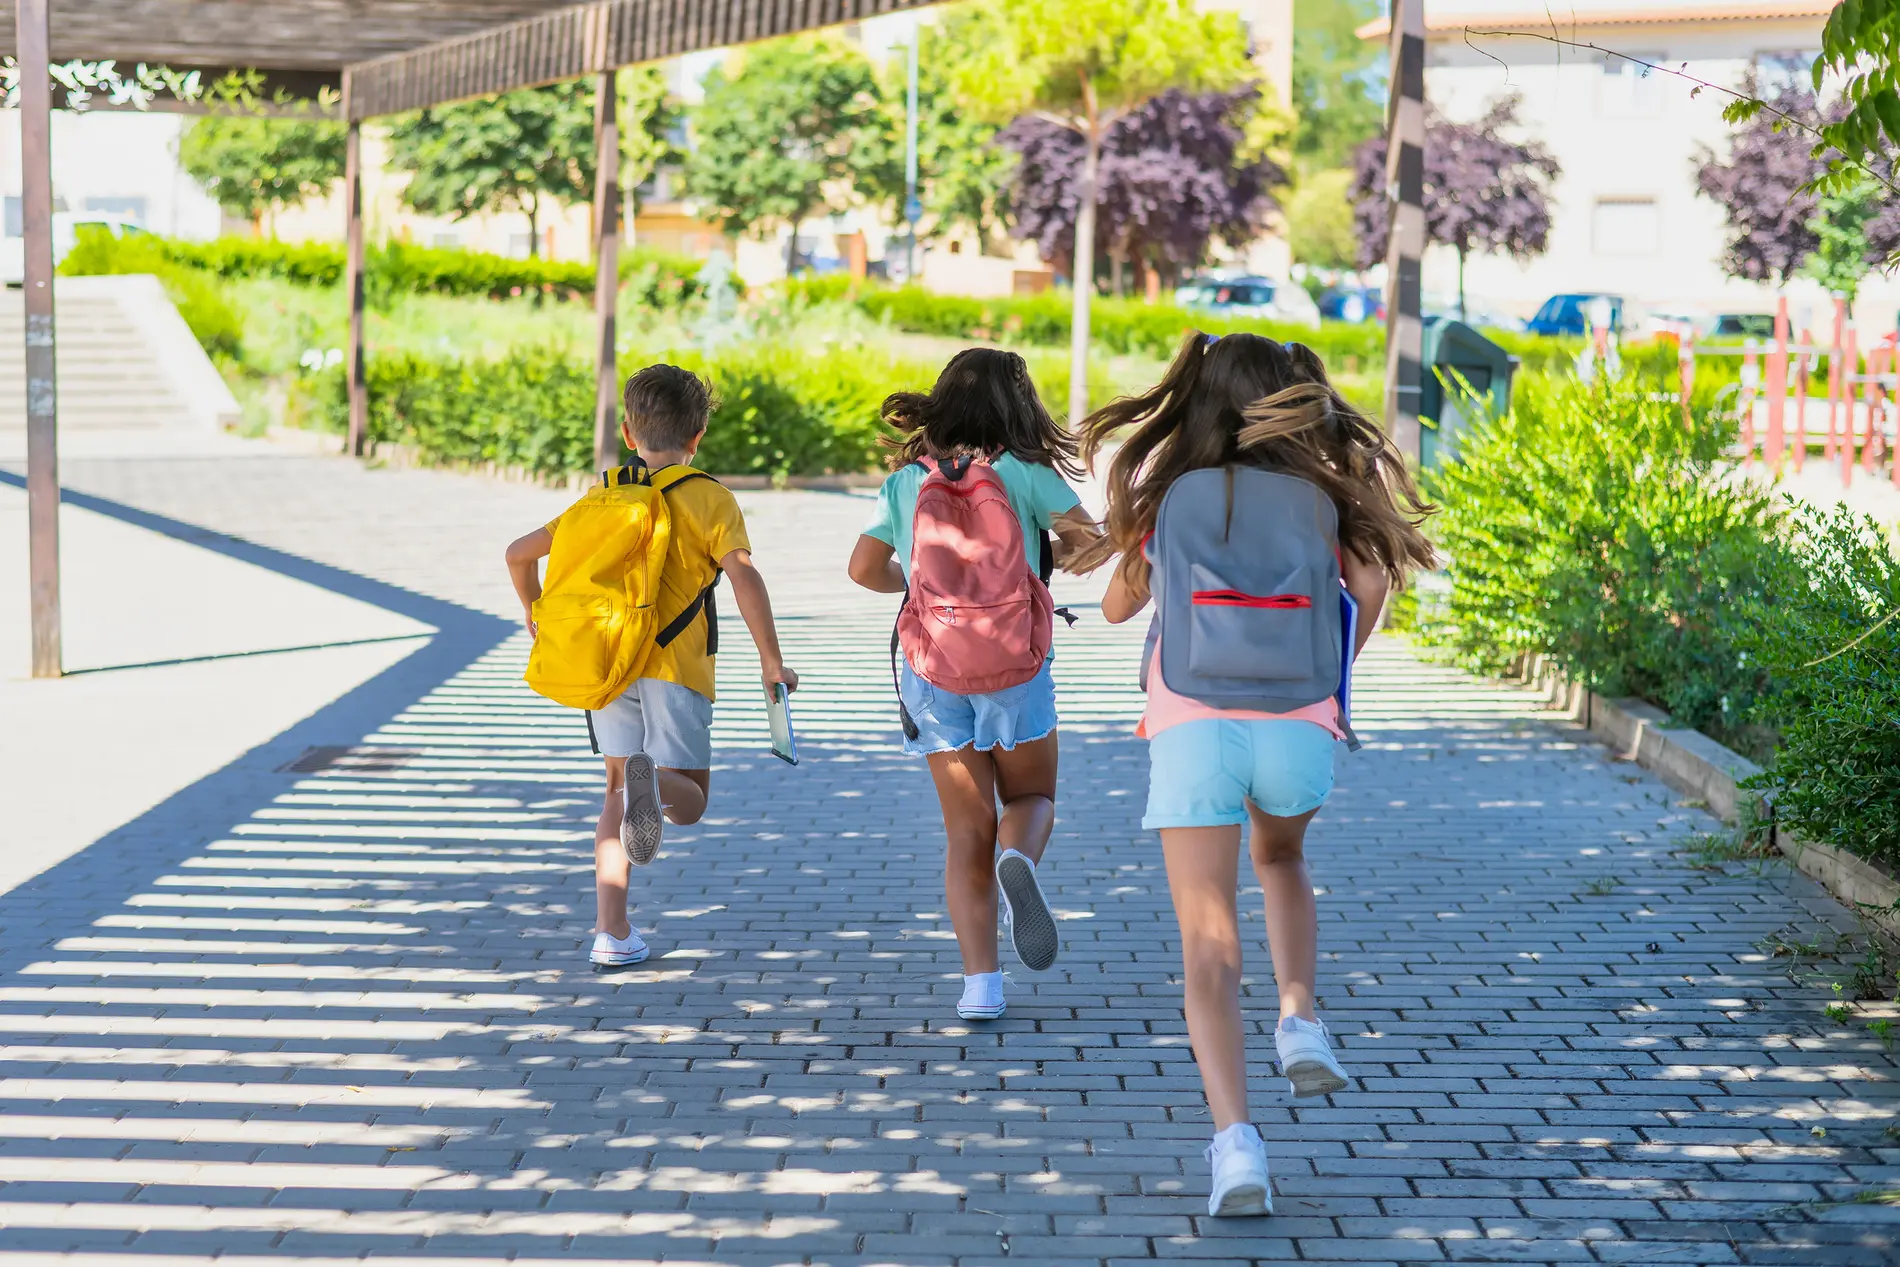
353,358
42,388
606,269
1405,220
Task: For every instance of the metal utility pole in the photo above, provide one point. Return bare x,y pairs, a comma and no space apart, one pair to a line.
912,208
1405,244
42,389
355,373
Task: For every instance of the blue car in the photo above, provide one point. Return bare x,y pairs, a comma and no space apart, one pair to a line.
1569,314
1352,303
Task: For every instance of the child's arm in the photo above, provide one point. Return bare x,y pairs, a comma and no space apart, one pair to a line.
748,590
524,568
1076,530
1368,585
1125,598
874,566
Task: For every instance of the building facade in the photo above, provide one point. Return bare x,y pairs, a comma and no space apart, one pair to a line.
1627,217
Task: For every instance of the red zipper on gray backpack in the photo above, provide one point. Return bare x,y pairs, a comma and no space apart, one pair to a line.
1234,598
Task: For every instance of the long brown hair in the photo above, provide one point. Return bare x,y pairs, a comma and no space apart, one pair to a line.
1253,401
984,402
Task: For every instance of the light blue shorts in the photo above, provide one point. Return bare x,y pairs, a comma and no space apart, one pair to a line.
669,722
1203,773
947,721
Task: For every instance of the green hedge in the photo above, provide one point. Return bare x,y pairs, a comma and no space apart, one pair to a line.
781,412
1591,526
657,278
218,325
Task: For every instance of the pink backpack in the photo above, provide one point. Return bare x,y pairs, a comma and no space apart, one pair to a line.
975,618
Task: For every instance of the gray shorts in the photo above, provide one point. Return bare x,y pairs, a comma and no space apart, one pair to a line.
669,722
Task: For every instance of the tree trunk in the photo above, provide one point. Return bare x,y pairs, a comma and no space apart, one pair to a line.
1082,272
1151,279
791,249
1461,286
1117,269
534,227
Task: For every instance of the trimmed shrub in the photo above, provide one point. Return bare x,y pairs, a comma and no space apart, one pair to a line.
781,412
657,278
213,319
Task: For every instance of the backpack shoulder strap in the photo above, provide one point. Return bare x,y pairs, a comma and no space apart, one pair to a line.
668,478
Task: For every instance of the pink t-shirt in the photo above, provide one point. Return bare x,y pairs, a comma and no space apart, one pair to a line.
1165,709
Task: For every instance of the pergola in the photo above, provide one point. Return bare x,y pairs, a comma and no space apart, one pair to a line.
386,56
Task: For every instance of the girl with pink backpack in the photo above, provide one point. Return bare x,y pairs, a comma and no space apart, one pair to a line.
1267,520
962,530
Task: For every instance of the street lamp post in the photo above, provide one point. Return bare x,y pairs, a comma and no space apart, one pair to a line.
911,206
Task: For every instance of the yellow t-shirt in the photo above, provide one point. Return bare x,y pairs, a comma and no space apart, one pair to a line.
707,526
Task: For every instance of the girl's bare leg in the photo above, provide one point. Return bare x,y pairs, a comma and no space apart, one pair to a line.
1279,862
1026,784
1202,862
966,788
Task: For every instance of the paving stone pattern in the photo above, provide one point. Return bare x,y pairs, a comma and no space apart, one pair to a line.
343,1010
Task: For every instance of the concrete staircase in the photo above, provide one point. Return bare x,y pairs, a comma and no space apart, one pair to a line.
127,361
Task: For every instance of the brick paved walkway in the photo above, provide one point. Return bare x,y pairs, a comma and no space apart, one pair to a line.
341,1010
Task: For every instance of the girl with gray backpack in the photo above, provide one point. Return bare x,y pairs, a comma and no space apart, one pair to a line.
1267,520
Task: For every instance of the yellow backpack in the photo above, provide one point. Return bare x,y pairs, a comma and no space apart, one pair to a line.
597,620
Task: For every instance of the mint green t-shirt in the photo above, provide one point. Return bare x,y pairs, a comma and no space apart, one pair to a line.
1038,494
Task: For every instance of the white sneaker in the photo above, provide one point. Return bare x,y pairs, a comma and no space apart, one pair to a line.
982,997
1032,928
1306,1057
611,953
1240,1187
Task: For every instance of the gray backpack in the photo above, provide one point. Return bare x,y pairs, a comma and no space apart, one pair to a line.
1249,608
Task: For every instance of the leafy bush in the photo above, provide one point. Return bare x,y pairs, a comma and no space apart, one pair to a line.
1119,325
1825,626
1589,524
213,319
657,278
781,412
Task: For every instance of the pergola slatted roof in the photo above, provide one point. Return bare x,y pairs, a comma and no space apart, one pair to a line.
406,54
391,56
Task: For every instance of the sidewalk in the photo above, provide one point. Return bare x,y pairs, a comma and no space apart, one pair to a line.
329,1000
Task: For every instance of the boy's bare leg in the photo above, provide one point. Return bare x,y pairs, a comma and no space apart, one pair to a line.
966,787
610,857
683,794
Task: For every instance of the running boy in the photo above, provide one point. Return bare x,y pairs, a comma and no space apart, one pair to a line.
656,736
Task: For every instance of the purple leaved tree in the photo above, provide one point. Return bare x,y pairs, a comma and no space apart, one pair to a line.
1172,180
1483,192
1775,223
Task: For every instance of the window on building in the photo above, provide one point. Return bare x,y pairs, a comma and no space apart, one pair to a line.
16,225
1777,70
1629,86
1625,226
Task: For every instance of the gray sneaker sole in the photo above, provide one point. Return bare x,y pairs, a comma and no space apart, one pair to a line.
1031,926
1313,1077
640,828
1243,1200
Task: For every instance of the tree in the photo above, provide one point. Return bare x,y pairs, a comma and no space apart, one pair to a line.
650,122
1173,176
1763,190
963,176
1319,223
1483,192
796,130
1861,43
1337,81
1084,65
251,163
502,153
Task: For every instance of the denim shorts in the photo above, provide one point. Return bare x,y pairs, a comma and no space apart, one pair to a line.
947,721
669,722
1203,773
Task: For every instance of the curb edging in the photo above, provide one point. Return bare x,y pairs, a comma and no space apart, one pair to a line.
1693,763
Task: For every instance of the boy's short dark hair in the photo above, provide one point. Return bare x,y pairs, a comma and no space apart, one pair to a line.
666,407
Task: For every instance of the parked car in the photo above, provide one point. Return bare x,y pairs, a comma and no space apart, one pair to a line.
1352,303
1570,314
1242,297
1748,325
66,226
